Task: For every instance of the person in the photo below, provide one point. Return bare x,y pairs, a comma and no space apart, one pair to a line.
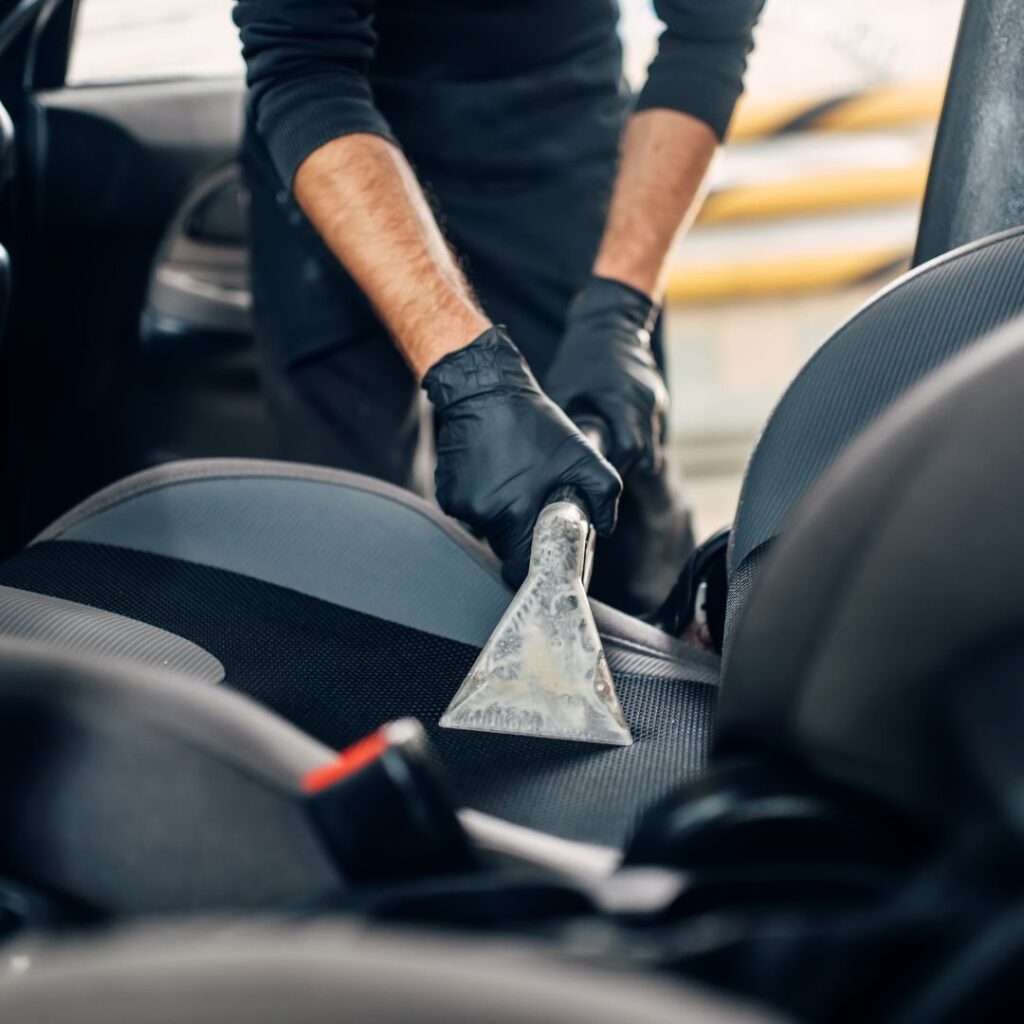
464,197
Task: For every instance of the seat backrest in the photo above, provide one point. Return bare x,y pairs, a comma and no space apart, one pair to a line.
131,788
976,181
896,594
906,332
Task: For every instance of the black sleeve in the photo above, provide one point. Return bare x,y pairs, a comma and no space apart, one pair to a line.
702,57
307,64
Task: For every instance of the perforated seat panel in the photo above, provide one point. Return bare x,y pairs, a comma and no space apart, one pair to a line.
339,673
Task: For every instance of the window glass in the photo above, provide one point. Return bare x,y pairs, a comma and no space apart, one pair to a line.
135,40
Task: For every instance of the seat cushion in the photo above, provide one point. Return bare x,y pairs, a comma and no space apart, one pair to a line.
81,630
342,603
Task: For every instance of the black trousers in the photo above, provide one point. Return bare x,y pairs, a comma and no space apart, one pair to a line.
339,391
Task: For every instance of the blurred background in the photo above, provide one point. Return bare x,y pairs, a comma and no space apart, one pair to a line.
812,207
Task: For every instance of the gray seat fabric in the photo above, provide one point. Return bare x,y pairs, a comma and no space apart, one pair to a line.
267,972
341,537
131,789
337,536
80,629
902,335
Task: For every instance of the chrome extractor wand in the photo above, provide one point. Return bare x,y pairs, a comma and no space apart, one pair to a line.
544,672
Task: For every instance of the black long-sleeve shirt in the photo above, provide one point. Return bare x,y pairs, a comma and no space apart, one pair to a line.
319,69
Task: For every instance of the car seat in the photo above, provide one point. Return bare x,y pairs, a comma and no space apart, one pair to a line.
876,661
340,602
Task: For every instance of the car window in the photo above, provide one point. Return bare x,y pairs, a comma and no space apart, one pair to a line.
136,40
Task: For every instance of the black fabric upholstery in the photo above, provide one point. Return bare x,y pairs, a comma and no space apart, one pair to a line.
909,330
741,585
339,674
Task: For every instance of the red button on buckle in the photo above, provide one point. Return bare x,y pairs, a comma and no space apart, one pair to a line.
347,763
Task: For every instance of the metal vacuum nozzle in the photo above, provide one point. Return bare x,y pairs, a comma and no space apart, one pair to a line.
543,672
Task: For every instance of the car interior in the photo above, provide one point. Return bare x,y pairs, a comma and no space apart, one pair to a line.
820,819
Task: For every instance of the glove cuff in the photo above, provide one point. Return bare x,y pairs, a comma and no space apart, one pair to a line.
604,296
488,363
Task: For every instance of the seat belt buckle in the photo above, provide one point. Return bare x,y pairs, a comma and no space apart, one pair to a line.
382,811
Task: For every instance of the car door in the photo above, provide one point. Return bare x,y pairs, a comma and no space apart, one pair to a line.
130,338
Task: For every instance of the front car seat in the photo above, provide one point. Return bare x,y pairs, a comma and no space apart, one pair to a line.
341,602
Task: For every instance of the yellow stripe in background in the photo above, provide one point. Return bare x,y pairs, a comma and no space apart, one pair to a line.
888,107
785,276
839,191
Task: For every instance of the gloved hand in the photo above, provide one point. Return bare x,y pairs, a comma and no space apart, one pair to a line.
605,366
503,446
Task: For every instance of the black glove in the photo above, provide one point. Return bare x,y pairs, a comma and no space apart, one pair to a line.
503,446
605,366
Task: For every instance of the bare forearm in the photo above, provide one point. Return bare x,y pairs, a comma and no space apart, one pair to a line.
665,158
362,196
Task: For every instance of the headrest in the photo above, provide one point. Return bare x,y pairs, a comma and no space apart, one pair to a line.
901,569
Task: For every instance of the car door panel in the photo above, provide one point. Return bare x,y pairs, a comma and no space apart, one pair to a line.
125,155
132,336
200,281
